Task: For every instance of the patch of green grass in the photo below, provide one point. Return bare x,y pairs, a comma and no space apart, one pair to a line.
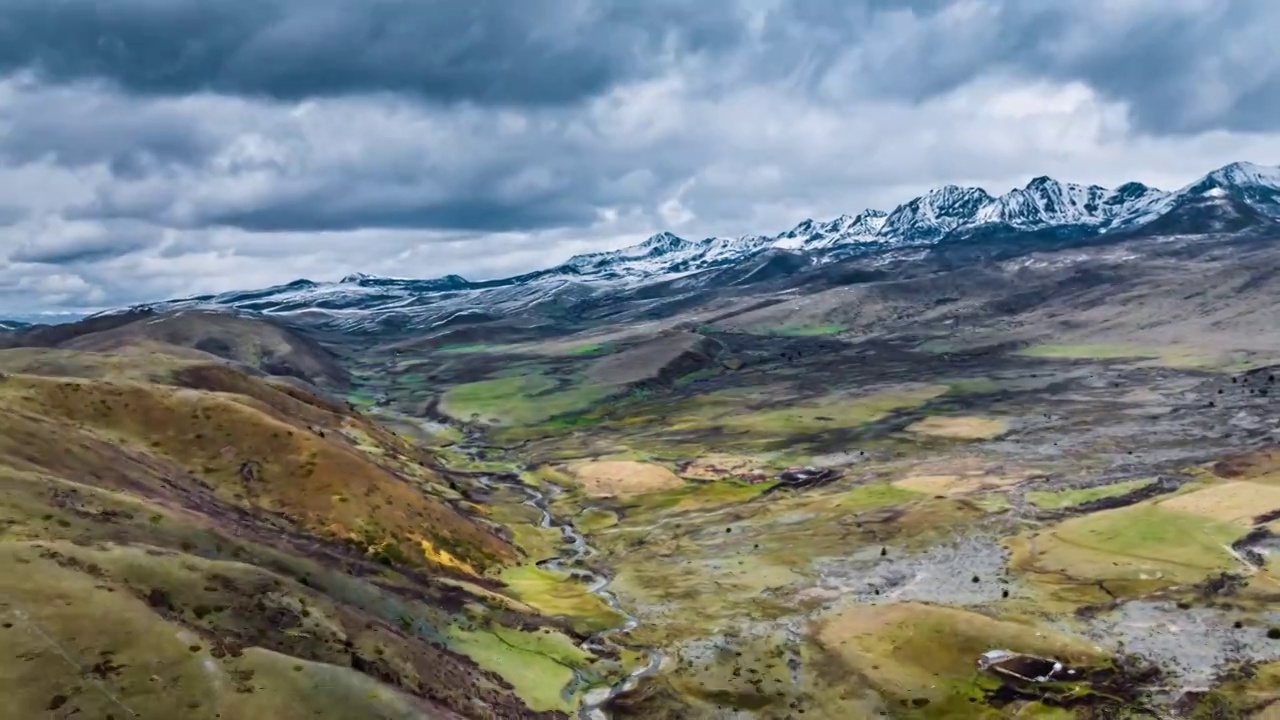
538,543
554,594
594,520
539,668
472,348
827,413
1170,356
1143,541
360,400
568,423
519,400
594,348
1093,351
1058,499
548,474
870,497
696,376
808,330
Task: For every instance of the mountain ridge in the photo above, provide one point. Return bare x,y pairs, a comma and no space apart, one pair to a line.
944,219
1042,202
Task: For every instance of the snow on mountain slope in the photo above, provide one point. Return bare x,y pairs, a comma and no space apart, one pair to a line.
1225,200
811,235
1256,186
1045,202
935,214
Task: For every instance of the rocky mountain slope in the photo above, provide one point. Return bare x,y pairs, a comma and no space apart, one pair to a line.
949,223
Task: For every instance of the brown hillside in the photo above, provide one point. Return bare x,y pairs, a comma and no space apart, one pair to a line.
183,539
251,341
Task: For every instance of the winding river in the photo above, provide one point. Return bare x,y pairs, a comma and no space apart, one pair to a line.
594,700
574,550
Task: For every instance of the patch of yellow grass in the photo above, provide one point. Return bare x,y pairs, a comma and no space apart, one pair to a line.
446,558
610,478
960,428
1232,502
911,650
955,485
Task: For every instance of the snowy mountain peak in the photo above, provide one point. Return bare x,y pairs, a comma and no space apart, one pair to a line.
1042,182
663,242
811,235
1240,196
361,279
1133,191
1246,173
935,214
1045,201
1254,187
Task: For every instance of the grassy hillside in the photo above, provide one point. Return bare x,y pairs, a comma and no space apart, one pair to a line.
181,538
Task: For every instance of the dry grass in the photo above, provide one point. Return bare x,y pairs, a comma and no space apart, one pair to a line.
1232,502
610,478
911,650
252,341
182,539
956,485
960,428
248,452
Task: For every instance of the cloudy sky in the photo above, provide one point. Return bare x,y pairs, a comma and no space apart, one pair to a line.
159,148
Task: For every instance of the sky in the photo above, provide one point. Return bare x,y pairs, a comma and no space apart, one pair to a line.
152,149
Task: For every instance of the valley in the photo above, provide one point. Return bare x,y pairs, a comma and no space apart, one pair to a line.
1073,497
1012,464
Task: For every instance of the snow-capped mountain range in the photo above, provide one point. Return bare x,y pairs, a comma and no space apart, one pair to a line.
1220,201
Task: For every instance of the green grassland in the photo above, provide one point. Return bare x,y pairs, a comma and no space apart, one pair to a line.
1061,499
519,400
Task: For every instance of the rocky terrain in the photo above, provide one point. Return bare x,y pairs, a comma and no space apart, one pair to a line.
982,456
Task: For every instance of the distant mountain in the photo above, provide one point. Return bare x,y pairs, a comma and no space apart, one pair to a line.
1250,189
1046,213
7,325
810,235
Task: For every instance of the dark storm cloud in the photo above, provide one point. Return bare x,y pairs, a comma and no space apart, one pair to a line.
74,128
475,214
489,51
85,244
1181,65
153,148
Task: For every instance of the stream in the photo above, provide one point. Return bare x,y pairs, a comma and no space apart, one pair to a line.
574,550
594,700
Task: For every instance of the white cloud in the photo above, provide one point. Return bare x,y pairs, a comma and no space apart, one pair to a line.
113,198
